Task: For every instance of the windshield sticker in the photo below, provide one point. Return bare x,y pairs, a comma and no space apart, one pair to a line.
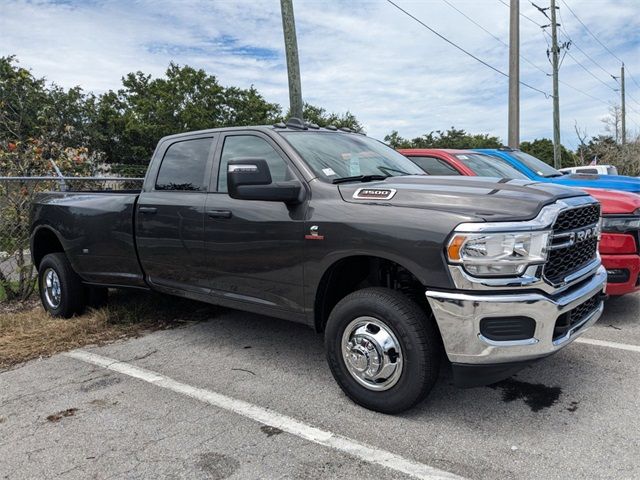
328,172
463,157
354,166
374,193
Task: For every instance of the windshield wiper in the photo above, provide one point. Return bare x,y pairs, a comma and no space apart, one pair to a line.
389,169
553,175
360,178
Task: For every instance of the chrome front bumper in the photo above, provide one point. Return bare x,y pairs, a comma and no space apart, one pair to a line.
459,314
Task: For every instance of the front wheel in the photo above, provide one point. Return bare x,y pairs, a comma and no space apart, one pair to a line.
383,350
61,290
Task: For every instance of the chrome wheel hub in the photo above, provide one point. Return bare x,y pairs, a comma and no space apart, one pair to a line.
372,353
52,288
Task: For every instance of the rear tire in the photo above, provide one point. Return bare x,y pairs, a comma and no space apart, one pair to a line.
407,368
61,290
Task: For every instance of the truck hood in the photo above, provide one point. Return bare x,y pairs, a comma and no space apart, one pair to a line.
609,182
490,199
615,203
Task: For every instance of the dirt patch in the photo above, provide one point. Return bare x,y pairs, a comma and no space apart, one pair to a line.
28,332
217,466
56,417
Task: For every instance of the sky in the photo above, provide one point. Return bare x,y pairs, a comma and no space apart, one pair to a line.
363,56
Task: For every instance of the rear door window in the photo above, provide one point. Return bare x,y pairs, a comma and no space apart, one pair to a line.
184,166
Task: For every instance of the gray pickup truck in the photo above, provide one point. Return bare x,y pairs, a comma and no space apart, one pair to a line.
338,231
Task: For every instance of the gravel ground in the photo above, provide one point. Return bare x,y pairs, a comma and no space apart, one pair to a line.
574,415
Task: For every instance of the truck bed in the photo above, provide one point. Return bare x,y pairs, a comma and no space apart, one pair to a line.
96,229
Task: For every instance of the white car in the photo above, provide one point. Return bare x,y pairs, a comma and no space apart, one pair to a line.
592,170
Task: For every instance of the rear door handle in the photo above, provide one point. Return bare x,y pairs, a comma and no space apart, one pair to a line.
219,213
148,210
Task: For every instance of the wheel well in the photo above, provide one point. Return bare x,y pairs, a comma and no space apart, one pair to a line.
44,243
353,273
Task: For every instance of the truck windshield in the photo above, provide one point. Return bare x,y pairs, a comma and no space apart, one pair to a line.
535,164
333,156
488,166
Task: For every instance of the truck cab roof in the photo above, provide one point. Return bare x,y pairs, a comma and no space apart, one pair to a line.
292,124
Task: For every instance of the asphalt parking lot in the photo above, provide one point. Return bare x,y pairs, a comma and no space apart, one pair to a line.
248,397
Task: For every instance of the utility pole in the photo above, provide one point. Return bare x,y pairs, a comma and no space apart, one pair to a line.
622,108
556,93
514,74
293,65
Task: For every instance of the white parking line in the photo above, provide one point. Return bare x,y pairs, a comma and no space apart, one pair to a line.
262,415
605,343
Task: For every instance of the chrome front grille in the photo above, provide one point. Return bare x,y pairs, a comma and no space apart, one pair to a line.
574,243
577,217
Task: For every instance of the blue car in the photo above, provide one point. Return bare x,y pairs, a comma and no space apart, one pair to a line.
536,169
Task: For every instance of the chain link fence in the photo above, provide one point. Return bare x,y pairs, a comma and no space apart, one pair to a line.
17,274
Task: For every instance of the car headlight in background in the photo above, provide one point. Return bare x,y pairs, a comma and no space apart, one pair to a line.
498,253
621,223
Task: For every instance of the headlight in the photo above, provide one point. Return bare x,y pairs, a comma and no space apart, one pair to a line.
621,223
499,253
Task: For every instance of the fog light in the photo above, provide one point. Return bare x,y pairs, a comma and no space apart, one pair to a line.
503,329
618,275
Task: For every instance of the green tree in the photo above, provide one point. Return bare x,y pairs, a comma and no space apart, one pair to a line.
38,124
130,122
452,138
542,148
606,150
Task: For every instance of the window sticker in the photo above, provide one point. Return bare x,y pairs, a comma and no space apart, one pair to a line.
328,172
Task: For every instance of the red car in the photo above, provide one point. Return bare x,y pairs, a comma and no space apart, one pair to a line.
620,244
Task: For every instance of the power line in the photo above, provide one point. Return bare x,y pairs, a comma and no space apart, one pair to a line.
632,109
581,66
585,93
590,72
631,77
632,98
590,32
593,97
463,50
521,56
581,50
494,36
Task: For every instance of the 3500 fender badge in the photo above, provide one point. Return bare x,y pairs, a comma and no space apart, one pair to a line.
374,193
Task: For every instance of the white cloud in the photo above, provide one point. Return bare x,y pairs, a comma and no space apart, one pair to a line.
364,56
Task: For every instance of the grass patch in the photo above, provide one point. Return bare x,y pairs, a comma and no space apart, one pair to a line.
28,332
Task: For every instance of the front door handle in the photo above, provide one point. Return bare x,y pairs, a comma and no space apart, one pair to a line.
219,213
148,210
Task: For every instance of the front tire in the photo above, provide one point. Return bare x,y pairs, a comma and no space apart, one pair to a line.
61,290
382,349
